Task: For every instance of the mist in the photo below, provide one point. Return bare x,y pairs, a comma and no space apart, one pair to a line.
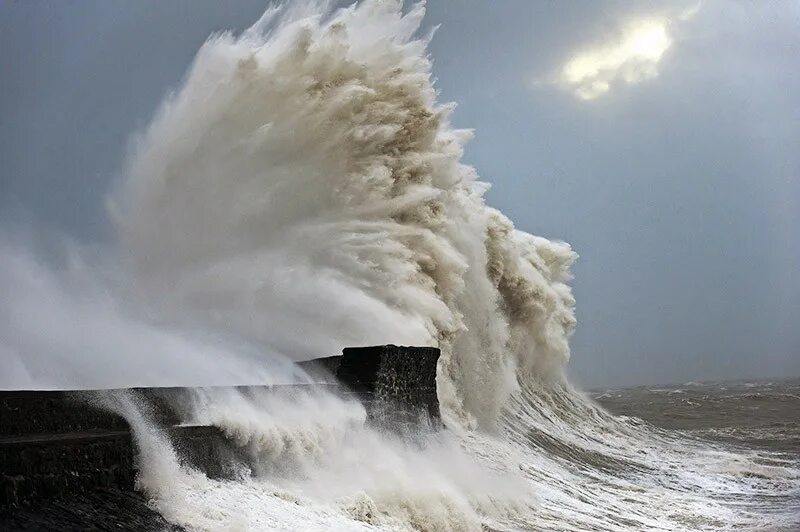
679,192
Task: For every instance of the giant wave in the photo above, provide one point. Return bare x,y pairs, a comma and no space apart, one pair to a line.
303,190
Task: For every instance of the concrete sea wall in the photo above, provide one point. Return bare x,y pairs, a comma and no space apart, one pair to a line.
59,444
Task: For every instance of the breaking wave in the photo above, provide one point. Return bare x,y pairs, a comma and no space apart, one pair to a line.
303,191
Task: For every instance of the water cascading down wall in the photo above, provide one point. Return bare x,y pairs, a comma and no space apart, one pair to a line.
61,443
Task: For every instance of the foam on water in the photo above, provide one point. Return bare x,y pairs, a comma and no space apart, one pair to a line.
303,191
558,463
312,451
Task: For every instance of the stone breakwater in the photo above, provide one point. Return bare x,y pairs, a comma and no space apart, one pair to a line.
60,451
392,381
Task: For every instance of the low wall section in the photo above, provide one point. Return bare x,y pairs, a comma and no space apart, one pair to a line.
57,443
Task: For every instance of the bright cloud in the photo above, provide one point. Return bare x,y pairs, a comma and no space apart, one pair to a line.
634,58
631,57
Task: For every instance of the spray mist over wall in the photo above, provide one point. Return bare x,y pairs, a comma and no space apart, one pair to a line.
303,191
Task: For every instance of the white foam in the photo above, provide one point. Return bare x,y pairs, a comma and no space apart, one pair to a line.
303,191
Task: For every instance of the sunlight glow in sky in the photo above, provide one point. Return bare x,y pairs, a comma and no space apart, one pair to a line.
634,57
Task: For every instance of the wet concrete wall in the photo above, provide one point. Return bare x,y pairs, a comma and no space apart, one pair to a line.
61,443
389,379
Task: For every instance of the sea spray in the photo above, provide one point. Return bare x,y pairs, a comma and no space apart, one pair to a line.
340,470
302,191
318,200
70,325
160,474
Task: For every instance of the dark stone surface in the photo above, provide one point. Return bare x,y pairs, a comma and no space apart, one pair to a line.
36,467
68,464
49,412
64,464
42,412
398,379
101,509
387,378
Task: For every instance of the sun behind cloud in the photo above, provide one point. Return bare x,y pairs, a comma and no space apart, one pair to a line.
634,58
631,57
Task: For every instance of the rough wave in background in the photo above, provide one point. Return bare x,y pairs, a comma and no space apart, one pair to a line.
303,191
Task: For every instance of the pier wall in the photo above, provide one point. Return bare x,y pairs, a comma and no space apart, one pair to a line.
62,443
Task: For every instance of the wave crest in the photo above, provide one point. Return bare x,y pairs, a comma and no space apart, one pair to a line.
304,190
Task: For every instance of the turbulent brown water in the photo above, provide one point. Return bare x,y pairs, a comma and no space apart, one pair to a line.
752,425
751,415
303,190
760,419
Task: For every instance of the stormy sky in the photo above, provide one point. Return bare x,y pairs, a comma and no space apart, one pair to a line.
661,140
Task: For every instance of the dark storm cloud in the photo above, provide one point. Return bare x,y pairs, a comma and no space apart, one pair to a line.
680,192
